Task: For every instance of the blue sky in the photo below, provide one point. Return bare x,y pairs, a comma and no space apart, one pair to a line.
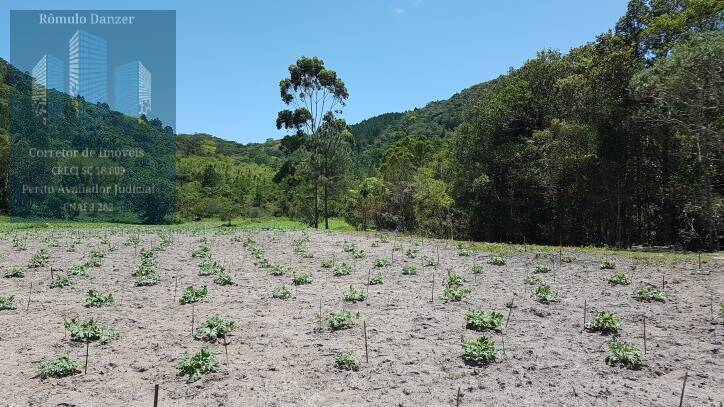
393,55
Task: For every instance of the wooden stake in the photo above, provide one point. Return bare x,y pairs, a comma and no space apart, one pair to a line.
457,401
437,251
367,355
226,350
663,282
87,346
432,290
585,308
155,396
27,307
320,313
683,387
644,334
510,311
193,316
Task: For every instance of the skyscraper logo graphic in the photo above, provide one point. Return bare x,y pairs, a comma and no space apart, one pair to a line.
48,73
88,67
132,90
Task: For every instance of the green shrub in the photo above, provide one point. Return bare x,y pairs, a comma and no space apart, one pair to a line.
650,293
58,367
301,278
281,293
342,269
478,352
95,298
61,281
409,270
607,265
199,364
605,323
618,278
376,279
354,295
624,354
544,294
481,320
341,320
497,261
7,303
14,272
214,328
347,361
89,331
541,269
194,294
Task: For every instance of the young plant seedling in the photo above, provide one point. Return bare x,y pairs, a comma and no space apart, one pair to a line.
482,321
618,278
455,293
341,320
359,254
59,367
354,295
95,258
61,281
624,355
95,298
14,272
411,253
532,280
544,294
605,323
541,269
326,264
377,279
7,303
464,250
301,278
201,363
607,265
224,278
409,270
214,328
650,293
347,361
89,331
382,262
278,270
478,352
202,251
39,259
281,293
78,270
194,295
476,269
342,269
497,261
567,259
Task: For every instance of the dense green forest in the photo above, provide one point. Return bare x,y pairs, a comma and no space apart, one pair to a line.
617,142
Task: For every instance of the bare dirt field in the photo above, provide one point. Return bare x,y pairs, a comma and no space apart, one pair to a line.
278,356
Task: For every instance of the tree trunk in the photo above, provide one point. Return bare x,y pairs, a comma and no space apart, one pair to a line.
315,215
326,212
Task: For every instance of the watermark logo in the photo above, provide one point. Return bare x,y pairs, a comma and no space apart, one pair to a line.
93,115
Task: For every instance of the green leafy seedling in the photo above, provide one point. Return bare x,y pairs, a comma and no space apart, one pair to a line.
342,269
301,278
541,269
347,361
497,261
478,352
14,272
201,363
624,355
618,278
224,278
377,279
214,328
650,293
58,367
89,331
476,269
194,294
281,293
605,323
61,281
544,294
7,303
455,293
382,262
607,265
532,280
482,321
409,270
95,298
341,320
354,295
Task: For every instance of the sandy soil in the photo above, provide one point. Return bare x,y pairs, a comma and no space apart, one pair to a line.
279,357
